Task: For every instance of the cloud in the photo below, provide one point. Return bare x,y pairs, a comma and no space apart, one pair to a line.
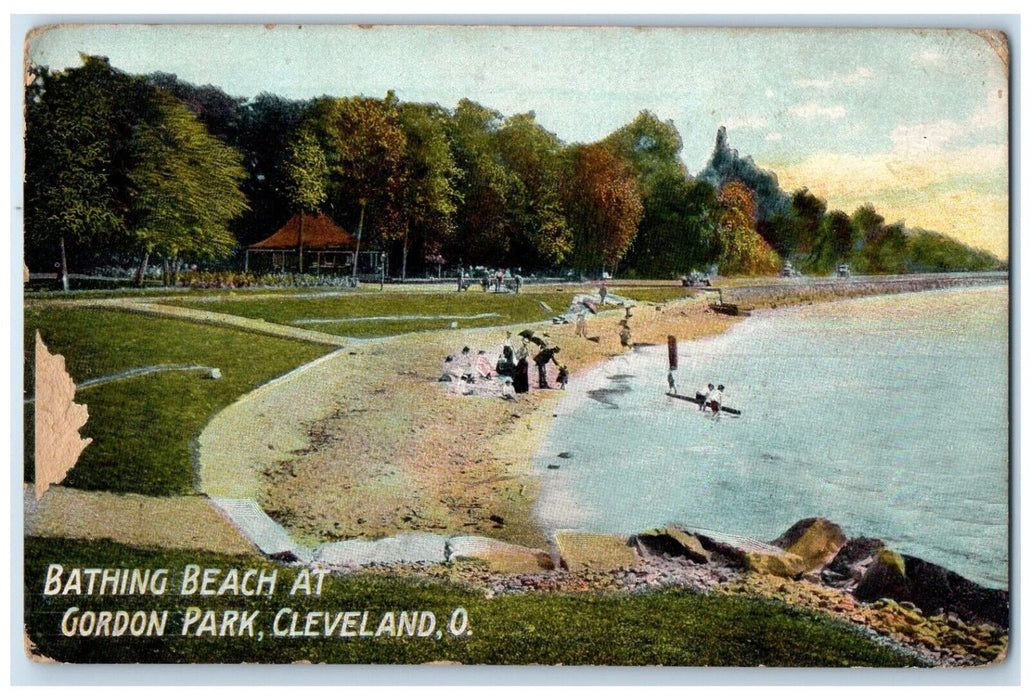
856,77
746,123
960,192
813,110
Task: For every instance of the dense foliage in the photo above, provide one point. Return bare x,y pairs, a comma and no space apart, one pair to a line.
124,169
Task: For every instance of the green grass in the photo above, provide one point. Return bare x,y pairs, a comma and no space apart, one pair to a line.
511,308
656,295
143,427
672,627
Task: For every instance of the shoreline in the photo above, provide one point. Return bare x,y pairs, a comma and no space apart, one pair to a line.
352,464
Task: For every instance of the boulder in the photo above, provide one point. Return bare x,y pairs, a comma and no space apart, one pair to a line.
816,540
851,559
884,578
756,556
937,590
673,542
580,551
499,556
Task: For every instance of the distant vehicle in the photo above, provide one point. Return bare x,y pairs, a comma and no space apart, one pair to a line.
789,271
844,270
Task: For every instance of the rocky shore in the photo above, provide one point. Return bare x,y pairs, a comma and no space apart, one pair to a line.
934,614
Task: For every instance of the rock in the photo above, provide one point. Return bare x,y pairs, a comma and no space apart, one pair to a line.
855,551
565,455
932,587
499,556
816,540
885,578
407,547
214,373
579,551
552,466
673,542
755,556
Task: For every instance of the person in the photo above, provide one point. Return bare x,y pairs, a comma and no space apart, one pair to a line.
506,363
563,376
521,379
542,359
715,399
485,281
602,292
703,396
625,335
461,280
581,323
518,283
672,383
499,279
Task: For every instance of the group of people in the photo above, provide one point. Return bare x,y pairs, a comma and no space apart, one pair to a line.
515,362
711,397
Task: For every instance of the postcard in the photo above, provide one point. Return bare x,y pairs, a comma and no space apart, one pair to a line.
516,345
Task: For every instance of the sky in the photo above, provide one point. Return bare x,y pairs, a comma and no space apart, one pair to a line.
912,121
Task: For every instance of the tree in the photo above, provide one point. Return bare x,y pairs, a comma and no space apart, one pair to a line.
78,125
186,184
532,156
742,251
726,166
866,222
306,174
833,244
429,198
676,233
652,147
482,231
267,125
809,211
365,149
602,205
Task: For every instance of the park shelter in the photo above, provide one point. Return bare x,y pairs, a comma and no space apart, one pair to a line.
311,243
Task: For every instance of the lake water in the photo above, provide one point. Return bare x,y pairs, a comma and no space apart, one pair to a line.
887,415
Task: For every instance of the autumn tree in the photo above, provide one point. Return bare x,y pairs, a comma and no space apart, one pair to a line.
306,175
365,150
602,205
742,251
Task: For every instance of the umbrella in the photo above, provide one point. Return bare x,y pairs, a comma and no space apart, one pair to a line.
526,334
535,339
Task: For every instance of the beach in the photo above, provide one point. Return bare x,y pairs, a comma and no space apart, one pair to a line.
368,443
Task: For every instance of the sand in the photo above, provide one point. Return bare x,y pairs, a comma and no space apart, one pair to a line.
367,443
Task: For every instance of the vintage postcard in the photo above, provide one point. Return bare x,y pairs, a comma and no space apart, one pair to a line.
550,345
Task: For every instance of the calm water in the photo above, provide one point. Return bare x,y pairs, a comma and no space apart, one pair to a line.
887,415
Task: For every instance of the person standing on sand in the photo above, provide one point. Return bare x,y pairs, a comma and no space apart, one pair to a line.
715,399
542,359
625,335
563,376
581,324
603,292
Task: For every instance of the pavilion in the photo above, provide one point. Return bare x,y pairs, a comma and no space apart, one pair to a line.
327,247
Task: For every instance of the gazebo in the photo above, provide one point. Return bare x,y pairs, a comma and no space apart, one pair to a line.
303,235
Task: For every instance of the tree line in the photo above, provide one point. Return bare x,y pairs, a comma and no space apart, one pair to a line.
137,170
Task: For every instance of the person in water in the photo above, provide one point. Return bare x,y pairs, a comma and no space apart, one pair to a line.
715,399
703,397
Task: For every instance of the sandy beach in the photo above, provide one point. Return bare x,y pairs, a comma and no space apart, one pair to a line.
367,442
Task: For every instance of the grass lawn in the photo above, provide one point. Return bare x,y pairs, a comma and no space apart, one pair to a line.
143,427
671,627
510,308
